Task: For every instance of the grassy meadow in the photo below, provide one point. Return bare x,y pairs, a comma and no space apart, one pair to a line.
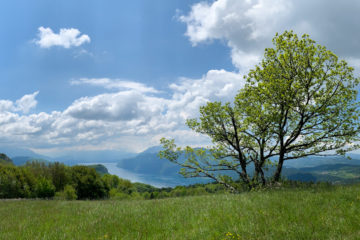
309,213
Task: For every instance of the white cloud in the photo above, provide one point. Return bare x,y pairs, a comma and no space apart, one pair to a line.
247,26
114,84
6,105
242,24
112,120
24,104
120,106
134,115
67,37
190,94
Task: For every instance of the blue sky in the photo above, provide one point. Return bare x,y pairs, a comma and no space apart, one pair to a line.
90,74
139,41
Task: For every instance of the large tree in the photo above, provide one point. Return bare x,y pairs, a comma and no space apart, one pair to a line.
300,100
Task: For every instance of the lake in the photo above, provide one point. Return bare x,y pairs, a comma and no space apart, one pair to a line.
135,177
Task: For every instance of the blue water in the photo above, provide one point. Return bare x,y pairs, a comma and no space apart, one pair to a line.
155,181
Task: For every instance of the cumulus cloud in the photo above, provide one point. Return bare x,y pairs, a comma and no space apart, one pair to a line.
190,94
134,103
134,115
67,38
248,26
111,107
24,104
6,105
242,24
132,111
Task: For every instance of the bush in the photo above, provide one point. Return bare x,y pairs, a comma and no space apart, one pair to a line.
44,188
15,182
69,192
88,183
116,195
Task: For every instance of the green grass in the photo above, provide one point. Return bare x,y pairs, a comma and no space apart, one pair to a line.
314,213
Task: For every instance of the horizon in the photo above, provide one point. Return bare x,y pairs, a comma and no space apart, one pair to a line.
89,76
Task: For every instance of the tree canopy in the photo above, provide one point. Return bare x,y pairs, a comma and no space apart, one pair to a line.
300,100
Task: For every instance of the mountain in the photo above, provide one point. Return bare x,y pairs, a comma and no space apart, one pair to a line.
16,152
101,169
21,155
148,162
19,161
314,161
336,169
153,169
5,159
334,173
154,149
78,157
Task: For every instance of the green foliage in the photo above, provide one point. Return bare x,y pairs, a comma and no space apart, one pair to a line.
69,192
44,179
142,187
39,169
101,169
299,101
59,174
88,183
44,188
5,159
15,182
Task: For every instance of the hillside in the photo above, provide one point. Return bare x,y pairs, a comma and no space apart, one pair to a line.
153,169
16,152
335,169
19,161
4,159
314,213
80,157
335,173
101,169
148,162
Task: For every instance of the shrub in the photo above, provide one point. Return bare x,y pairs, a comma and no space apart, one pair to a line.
69,193
44,188
88,183
15,182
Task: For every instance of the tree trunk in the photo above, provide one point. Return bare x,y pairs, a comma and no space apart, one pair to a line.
259,177
277,174
263,181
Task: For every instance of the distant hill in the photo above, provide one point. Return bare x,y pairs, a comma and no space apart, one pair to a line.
21,155
148,162
314,161
335,173
16,152
4,159
154,169
336,169
78,157
101,169
19,161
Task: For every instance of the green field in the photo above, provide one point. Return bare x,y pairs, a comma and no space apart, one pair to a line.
312,213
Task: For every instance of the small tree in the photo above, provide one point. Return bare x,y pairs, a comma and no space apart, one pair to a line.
299,101
88,183
44,188
69,192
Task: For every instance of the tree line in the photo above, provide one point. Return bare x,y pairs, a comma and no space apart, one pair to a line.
38,179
